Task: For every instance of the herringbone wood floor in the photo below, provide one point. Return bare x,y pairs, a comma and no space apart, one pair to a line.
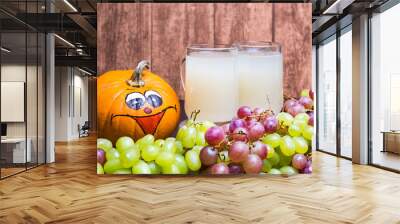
69,191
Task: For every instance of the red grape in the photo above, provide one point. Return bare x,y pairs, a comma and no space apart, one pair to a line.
236,123
240,134
253,164
257,111
307,102
220,168
235,168
208,156
311,120
256,131
270,124
296,109
299,161
288,104
250,122
225,127
215,135
259,149
307,170
238,151
244,111
101,156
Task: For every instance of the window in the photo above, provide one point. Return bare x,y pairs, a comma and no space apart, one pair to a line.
327,96
346,93
385,89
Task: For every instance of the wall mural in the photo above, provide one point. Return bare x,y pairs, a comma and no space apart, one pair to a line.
216,88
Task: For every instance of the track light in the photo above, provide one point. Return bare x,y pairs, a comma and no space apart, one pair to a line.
5,50
65,41
70,5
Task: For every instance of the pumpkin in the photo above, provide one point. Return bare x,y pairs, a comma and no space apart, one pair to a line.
135,104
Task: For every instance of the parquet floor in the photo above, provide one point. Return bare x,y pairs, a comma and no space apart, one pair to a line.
69,191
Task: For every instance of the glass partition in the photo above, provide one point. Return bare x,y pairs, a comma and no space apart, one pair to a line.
23,90
385,89
346,93
327,96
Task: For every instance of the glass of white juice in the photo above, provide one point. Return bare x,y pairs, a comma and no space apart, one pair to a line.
259,67
210,83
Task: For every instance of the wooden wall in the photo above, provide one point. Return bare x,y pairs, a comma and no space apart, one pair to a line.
160,32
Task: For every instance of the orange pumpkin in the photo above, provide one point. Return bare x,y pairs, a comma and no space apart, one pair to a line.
135,105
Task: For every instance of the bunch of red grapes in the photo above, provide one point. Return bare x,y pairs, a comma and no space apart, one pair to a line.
259,141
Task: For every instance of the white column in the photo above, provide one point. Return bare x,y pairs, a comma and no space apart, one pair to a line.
360,90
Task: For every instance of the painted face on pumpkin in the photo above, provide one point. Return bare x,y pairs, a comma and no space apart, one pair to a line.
150,105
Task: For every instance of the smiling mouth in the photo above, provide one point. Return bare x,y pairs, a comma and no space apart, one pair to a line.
148,123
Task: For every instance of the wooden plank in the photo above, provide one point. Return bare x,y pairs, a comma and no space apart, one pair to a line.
293,31
123,35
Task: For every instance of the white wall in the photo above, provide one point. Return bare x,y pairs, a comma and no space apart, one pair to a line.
71,94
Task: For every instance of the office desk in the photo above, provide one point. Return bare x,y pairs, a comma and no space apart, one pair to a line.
15,148
391,141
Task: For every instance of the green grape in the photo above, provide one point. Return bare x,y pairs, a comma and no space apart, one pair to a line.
100,169
181,164
197,148
294,130
285,160
165,159
159,142
124,143
274,171
170,139
112,154
154,168
189,137
147,139
179,147
130,157
112,165
104,144
301,123
267,166
273,140
179,135
204,125
223,157
171,169
123,171
288,170
141,167
287,146
308,132
301,145
200,139
270,152
169,146
150,152
274,160
192,159
302,116
285,118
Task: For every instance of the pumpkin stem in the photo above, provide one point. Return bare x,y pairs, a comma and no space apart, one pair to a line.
136,79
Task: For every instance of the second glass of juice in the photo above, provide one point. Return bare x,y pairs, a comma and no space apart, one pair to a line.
259,66
211,83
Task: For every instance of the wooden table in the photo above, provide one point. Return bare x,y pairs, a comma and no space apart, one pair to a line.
391,141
